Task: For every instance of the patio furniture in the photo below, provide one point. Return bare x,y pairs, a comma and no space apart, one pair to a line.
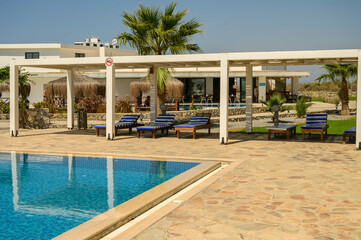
349,133
163,122
200,121
282,128
210,99
127,121
203,99
315,122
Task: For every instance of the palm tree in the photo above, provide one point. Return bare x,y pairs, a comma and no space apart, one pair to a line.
275,99
24,87
340,74
159,32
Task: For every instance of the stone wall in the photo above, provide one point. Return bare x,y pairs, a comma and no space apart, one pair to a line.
37,118
323,94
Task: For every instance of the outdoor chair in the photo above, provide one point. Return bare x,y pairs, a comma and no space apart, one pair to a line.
203,99
163,122
210,99
127,121
349,133
200,121
316,122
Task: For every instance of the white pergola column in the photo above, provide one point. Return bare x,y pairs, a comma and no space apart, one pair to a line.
153,94
70,98
262,88
358,103
294,85
111,182
110,102
224,94
249,98
14,99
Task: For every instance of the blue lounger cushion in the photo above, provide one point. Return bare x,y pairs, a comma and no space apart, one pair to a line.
315,121
125,121
314,126
194,122
162,121
351,130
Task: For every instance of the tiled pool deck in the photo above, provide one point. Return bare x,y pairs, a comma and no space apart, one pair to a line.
279,189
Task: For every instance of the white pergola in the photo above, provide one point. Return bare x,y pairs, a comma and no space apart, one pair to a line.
222,60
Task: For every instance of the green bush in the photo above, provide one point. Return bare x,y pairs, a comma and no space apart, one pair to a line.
301,107
4,107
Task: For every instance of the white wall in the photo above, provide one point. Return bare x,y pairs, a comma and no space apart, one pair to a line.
122,87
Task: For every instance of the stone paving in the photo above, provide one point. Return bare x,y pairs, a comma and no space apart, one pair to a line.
281,189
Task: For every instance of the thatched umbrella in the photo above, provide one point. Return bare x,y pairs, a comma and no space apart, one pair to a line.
174,89
5,87
83,86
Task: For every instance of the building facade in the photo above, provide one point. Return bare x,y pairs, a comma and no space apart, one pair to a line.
198,82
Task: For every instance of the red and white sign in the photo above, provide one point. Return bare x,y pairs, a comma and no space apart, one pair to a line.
109,62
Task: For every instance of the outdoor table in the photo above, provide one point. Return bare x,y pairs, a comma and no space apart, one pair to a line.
282,128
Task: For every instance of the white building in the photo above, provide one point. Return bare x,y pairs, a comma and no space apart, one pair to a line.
197,81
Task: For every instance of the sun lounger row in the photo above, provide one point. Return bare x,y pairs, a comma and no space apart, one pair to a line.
164,122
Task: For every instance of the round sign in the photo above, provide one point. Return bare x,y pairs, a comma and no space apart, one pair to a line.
109,62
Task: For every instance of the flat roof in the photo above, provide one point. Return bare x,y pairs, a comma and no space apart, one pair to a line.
313,57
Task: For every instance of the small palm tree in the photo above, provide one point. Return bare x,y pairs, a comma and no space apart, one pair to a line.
340,74
159,32
275,99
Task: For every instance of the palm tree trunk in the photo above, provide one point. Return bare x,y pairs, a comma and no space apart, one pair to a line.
161,100
345,110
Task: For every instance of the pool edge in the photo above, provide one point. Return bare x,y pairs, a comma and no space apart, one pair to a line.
107,222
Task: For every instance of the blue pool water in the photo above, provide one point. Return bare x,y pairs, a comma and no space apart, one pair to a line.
213,105
42,196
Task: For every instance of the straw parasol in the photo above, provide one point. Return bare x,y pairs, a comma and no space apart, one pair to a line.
174,88
83,86
5,87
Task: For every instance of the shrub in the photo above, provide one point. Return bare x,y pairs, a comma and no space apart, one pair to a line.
52,108
123,105
332,100
301,107
4,107
90,104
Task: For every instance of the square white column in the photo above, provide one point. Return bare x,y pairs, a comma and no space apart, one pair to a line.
14,99
262,88
110,102
153,93
224,94
358,103
70,98
249,98
294,85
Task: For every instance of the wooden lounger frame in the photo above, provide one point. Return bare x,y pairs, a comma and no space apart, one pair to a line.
350,135
154,131
310,130
124,127
194,129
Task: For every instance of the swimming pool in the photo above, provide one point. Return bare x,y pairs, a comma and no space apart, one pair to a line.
213,105
43,196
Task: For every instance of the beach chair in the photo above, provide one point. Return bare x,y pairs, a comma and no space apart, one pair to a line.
163,122
315,122
127,121
349,133
200,121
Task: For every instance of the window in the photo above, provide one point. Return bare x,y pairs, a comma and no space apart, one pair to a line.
79,55
32,55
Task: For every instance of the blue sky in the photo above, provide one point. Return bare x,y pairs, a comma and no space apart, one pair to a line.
230,25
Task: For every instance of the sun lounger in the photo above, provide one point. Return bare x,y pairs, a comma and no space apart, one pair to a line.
163,122
349,133
316,122
197,122
127,121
